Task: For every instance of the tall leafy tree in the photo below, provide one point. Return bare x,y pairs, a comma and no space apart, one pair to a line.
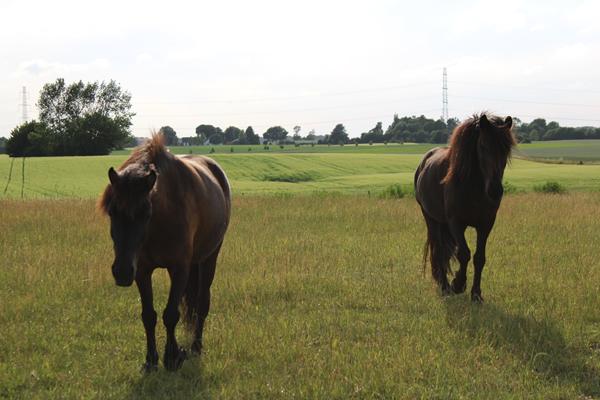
233,135
170,135
84,118
338,135
251,137
275,133
297,129
205,131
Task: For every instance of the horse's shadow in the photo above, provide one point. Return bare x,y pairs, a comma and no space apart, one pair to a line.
539,344
187,383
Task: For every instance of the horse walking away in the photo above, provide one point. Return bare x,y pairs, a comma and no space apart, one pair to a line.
460,186
170,212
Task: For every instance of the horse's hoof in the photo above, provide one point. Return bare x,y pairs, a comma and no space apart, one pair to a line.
446,291
174,363
196,349
476,298
457,288
148,368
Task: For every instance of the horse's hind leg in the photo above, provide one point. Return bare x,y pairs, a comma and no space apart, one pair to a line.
174,355
463,254
479,262
206,275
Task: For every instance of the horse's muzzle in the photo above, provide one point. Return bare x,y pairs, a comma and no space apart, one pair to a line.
123,275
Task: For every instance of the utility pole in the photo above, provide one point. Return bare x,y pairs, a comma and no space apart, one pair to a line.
24,105
445,96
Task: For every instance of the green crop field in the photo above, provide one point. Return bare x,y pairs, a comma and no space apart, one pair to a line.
315,297
566,150
376,148
356,171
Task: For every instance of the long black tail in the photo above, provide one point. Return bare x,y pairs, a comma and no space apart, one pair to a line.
440,248
191,300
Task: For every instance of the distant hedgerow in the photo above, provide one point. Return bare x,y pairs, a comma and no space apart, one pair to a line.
394,191
550,187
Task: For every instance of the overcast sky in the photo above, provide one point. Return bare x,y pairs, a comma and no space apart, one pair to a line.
308,63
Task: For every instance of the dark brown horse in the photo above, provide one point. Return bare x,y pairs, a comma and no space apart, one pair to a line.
460,186
171,212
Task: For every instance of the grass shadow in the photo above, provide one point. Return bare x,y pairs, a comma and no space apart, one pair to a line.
539,344
187,383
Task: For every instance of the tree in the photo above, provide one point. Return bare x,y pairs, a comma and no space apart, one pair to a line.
170,135
311,135
233,135
374,135
27,140
217,137
205,132
338,135
297,136
84,118
275,133
251,137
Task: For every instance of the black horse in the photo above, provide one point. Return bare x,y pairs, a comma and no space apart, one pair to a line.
171,212
460,186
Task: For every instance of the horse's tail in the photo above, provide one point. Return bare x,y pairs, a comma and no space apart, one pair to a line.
190,300
440,248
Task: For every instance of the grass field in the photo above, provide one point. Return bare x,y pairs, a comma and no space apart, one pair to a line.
566,150
376,148
358,172
315,297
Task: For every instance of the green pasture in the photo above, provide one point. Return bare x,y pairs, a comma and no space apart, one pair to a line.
562,150
315,297
375,148
565,150
360,173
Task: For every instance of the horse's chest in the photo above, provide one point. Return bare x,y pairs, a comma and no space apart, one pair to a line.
470,208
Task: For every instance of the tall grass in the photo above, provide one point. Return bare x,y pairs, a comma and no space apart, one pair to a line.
314,297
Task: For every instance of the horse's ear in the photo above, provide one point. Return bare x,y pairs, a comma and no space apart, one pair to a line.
113,176
484,123
508,122
150,179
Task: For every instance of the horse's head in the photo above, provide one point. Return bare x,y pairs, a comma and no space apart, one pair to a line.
130,208
494,145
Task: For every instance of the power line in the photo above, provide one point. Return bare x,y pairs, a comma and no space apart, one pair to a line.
390,102
445,96
526,87
333,121
264,99
529,101
24,105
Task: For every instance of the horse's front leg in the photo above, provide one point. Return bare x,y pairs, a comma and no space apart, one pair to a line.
479,262
174,355
144,283
463,254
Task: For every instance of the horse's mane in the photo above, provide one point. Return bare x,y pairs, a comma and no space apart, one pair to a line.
153,154
463,151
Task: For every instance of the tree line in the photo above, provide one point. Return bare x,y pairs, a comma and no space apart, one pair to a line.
538,129
95,119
